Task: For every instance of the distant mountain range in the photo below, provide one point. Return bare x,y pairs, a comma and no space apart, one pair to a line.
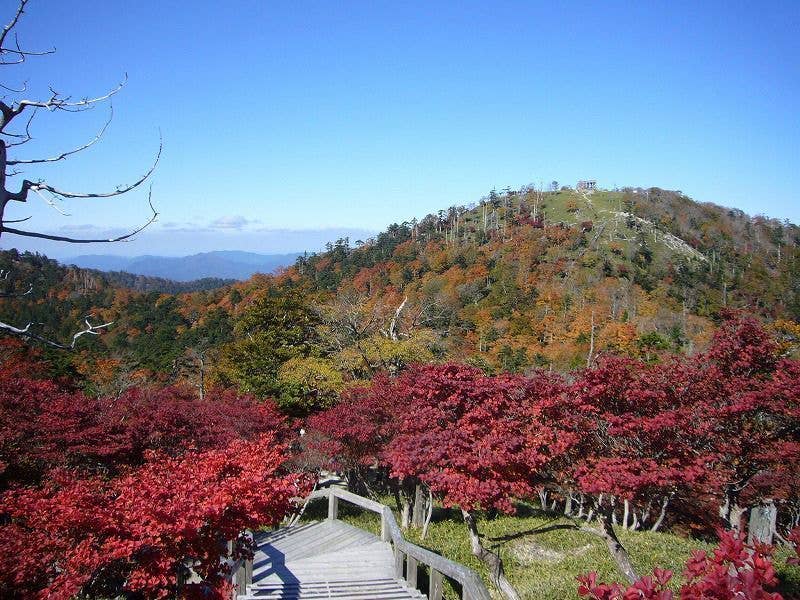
225,264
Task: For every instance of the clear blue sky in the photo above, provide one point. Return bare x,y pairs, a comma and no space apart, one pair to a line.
316,115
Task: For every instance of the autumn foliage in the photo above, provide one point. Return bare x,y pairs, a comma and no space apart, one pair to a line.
676,440
125,494
733,570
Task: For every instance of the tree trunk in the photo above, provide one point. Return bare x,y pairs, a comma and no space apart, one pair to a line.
763,518
625,513
615,547
418,514
407,496
489,558
661,515
428,514
543,499
731,512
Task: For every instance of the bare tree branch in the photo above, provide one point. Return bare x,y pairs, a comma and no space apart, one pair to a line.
23,137
22,195
10,89
64,155
20,53
71,240
56,102
50,194
10,26
26,333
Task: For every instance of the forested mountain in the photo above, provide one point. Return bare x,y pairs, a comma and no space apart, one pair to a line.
549,278
223,264
522,279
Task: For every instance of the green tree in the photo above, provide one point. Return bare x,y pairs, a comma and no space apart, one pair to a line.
276,328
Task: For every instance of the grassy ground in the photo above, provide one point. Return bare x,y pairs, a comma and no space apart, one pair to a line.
541,559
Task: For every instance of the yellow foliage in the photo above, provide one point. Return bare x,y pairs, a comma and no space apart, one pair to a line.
619,338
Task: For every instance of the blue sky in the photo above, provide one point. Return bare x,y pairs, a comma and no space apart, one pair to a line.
286,123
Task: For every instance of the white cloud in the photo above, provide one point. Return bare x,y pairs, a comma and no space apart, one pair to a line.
236,222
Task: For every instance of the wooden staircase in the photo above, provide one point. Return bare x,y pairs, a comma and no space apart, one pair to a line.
328,559
332,559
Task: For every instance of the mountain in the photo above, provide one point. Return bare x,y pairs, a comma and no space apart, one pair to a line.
529,278
520,279
220,264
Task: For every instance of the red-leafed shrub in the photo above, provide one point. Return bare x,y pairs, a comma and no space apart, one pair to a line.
354,433
732,570
134,533
43,426
467,437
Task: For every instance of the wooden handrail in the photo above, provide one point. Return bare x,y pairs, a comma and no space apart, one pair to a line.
407,554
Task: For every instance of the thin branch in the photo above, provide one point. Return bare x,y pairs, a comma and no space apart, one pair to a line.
60,238
4,294
64,155
26,137
26,333
14,21
51,203
20,53
57,103
119,191
15,91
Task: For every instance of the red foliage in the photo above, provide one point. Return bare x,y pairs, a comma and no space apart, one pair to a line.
134,532
646,428
131,487
794,539
43,426
742,348
464,434
733,570
356,431
17,357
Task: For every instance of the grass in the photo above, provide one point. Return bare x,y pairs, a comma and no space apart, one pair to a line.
543,560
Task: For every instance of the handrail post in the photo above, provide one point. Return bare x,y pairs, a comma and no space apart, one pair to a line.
248,572
385,534
412,569
398,563
333,505
434,584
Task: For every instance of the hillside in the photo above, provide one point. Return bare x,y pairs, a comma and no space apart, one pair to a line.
521,279
543,278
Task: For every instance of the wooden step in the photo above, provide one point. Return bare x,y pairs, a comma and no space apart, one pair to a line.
326,559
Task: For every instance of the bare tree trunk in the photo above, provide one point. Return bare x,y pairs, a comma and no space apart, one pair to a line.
625,513
543,498
661,515
392,331
731,512
395,487
407,496
428,514
489,558
418,514
591,345
615,547
762,524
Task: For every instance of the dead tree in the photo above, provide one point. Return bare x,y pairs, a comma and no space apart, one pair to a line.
17,114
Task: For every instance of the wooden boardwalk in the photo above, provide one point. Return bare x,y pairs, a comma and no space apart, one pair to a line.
332,559
327,559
